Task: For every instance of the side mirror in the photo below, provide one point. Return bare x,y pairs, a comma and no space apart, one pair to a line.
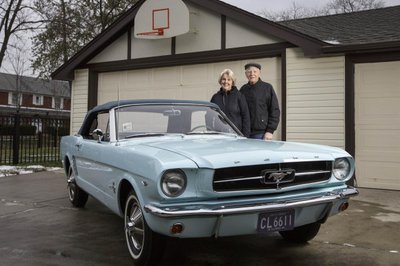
98,134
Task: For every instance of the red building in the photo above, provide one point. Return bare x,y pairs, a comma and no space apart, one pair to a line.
34,96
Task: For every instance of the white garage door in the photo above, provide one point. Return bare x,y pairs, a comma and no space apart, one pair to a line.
377,125
190,82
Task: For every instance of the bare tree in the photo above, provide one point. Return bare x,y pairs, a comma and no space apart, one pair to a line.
15,17
333,7
70,24
19,64
295,11
348,6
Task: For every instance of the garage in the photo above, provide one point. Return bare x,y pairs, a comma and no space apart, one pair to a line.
337,84
377,124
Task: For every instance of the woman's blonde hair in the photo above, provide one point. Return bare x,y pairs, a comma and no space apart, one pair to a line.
229,73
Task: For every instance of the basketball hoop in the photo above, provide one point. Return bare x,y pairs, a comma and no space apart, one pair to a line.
159,32
160,22
161,19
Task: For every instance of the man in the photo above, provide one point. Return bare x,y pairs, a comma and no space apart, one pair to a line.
262,102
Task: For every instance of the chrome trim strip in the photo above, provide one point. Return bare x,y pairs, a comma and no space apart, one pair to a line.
313,173
250,208
238,179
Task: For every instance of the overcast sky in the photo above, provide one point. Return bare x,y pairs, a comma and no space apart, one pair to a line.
257,6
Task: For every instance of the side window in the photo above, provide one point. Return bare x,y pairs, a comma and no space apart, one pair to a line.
100,121
103,123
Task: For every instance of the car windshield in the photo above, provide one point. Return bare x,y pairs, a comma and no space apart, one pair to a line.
153,120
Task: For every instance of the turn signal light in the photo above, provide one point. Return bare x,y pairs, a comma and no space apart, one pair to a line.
177,228
343,206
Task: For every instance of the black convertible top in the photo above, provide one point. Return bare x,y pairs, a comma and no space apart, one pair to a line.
112,104
109,105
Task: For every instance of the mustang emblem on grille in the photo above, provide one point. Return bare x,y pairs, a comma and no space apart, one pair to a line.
278,177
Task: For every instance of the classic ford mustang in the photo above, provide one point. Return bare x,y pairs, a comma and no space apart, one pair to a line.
174,168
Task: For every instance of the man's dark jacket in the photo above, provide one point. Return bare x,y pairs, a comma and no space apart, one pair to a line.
234,105
263,106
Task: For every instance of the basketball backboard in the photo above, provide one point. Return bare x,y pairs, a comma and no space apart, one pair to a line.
158,19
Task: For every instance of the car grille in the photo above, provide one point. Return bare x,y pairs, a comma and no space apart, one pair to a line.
254,177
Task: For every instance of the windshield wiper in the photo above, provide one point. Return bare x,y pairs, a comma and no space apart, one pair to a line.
204,132
141,135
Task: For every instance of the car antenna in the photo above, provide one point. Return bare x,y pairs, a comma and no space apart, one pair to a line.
116,124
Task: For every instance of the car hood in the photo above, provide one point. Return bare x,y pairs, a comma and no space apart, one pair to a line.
220,152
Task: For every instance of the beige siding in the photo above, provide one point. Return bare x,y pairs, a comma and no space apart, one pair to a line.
79,99
142,48
238,35
114,52
377,124
315,99
204,33
191,82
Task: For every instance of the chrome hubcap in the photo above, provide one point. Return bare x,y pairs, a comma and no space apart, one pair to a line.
71,185
134,227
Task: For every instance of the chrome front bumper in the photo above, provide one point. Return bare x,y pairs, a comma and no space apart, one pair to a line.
177,212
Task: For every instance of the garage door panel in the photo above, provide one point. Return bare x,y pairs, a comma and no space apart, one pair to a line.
378,139
196,93
378,174
373,184
379,75
382,106
387,169
189,82
196,74
379,156
377,125
167,93
138,94
134,78
168,76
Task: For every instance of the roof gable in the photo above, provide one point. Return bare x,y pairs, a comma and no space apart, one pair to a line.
124,23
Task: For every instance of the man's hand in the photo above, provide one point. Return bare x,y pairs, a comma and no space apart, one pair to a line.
267,136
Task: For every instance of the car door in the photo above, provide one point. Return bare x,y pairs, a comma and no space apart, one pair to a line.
92,158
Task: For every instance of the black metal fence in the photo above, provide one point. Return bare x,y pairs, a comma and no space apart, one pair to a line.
31,139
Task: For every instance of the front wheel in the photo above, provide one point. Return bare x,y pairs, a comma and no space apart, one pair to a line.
144,245
76,195
301,234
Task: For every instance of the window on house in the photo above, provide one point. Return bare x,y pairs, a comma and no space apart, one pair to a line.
14,98
58,103
37,100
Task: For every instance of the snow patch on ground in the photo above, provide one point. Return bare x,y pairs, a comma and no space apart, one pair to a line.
9,170
387,217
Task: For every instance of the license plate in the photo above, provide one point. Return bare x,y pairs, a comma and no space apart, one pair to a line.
276,221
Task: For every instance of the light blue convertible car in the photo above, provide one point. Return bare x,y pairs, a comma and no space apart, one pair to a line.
177,168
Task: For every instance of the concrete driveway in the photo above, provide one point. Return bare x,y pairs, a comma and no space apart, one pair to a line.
39,227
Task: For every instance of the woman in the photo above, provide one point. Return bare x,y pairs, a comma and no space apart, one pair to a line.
232,102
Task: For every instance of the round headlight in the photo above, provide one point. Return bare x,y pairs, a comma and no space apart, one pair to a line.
173,182
341,168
